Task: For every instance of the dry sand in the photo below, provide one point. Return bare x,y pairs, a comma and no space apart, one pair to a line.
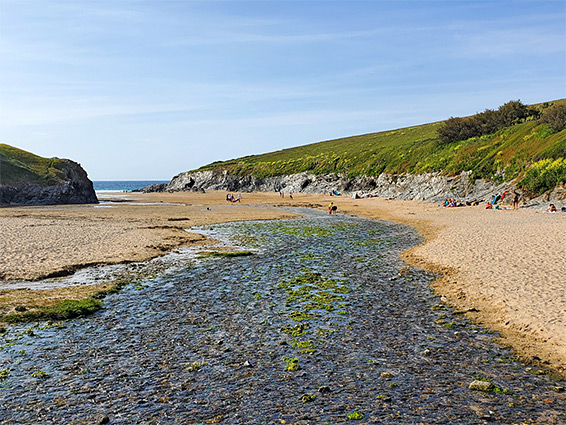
506,268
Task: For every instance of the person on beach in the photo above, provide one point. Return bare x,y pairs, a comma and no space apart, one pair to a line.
330,207
551,208
229,197
333,209
515,200
239,198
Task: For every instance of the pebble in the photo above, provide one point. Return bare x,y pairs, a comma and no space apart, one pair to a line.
481,386
104,420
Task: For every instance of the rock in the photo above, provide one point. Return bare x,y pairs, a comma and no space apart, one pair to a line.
481,386
28,179
104,420
158,187
386,375
306,398
427,186
247,363
325,389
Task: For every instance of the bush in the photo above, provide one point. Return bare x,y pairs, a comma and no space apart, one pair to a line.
455,129
511,113
544,175
487,122
555,117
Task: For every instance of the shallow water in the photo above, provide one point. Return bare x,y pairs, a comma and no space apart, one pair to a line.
210,341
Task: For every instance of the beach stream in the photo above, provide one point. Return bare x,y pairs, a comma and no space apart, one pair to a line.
321,323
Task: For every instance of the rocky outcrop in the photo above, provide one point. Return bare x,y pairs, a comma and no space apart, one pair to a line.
431,187
424,187
74,188
157,187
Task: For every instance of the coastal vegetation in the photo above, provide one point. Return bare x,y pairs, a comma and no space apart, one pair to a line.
28,179
526,143
19,167
67,309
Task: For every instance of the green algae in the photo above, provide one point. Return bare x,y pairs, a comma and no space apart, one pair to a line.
225,254
305,347
292,363
355,415
492,387
64,310
314,299
4,373
40,374
306,398
194,366
296,330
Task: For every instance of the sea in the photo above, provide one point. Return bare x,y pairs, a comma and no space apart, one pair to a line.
123,185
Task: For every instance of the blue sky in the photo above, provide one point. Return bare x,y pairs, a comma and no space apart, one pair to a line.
148,89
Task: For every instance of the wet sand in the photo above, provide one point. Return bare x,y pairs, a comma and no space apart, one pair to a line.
505,269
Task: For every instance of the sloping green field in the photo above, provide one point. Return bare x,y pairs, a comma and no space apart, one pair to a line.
18,167
516,151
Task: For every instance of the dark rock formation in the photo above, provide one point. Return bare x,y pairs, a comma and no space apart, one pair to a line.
74,188
157,187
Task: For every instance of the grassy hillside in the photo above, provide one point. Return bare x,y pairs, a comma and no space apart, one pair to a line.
529,150
18,167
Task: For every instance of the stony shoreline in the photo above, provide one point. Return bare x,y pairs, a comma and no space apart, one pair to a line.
322,323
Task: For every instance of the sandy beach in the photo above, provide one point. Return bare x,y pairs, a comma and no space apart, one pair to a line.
503,268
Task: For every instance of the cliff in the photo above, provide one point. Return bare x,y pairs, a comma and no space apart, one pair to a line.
28,179
431,187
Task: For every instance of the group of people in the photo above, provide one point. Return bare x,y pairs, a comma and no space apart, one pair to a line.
451,202
282,194
233,198
500,197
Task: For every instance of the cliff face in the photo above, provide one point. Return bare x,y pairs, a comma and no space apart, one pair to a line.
425,187
26,179
431,187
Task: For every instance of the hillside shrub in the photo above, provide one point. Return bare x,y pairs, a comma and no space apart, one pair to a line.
455,129
486,122
511,113
555,117
544,175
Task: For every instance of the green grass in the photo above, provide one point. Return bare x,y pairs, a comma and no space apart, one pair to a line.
67,309
18,166
504,155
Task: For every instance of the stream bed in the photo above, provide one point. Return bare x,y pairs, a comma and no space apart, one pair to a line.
311,321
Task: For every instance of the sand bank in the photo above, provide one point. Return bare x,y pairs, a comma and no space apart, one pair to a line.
504,268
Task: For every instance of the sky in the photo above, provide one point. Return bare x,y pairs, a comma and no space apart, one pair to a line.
137,90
